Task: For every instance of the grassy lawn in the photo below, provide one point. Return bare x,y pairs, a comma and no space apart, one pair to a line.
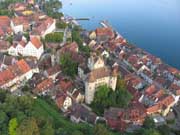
43,108
48,109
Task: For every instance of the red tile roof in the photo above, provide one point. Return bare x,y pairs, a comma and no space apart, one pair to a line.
173,70
18,69
4,21
5,25
65,85
151,89
133,59
21,20
118,118
133,80
60,98
43,25
69,48
23,66
44,85
53,70
1,32
105,32
36,41
163,103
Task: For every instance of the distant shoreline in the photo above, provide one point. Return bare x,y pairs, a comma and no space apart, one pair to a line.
157,43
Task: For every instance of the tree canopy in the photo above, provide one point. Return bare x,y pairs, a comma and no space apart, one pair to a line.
51,8
76,36
118,98
101,130
69,67
12,126
55,37
61,25
149,123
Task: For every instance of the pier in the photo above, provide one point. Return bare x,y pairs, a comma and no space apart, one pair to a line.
105,24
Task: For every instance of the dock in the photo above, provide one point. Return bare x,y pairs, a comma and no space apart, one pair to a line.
105,24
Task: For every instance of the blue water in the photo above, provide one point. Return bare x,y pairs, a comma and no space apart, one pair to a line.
153,25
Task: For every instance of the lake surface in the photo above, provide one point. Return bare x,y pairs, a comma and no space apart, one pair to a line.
153,25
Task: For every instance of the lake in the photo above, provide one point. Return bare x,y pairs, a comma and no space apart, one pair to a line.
153,25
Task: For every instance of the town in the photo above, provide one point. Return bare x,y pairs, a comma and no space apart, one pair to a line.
92,76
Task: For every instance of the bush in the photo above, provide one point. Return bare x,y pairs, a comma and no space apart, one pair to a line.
61,25
55,37
69,67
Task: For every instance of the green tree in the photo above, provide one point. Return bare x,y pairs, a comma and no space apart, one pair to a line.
47,129
61,25
151,132
25,103
164,130
69,67
101,130
10,39
100,101
28,127
26,35
105,97
5,3
121,85
55,37
12,126
149,123
2,95
77,133
51,8
76,35
3,122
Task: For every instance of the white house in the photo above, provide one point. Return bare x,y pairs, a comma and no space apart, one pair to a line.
63,101
45,26
51,26
19,24
33,48
15,75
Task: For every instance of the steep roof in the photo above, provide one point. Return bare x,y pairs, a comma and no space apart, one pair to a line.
23,66
44,85
4,21
98,73
18,69
36,42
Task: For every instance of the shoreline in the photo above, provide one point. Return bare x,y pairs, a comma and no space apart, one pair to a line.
152,46
102,23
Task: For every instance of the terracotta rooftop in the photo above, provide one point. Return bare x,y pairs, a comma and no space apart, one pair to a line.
98,73
73,47
104,31
36,42
44,85
163,103
21,20
18,69
4,21
65,85
53,70
60,98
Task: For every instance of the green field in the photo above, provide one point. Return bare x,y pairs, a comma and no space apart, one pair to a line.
44,109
